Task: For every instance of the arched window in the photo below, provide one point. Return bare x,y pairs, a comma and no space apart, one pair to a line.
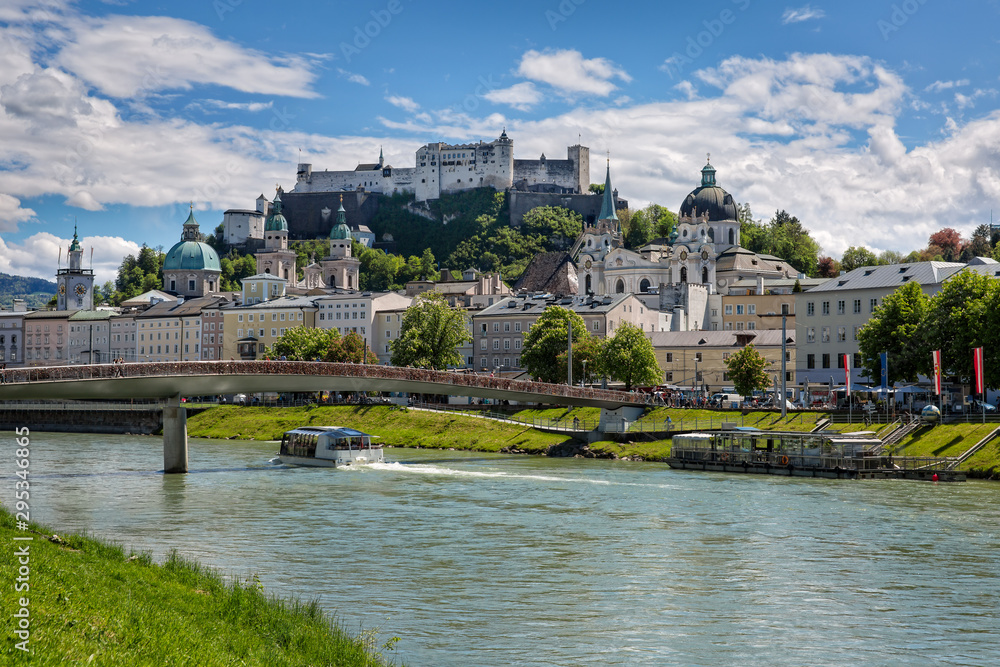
587,285
333,281
644,286
684,274
704,274
732,237
620,286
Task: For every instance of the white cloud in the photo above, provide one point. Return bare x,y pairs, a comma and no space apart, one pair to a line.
129,56
353,78
521,96
938,86
801,14
11,213
252,107
38,255
570,73
404,103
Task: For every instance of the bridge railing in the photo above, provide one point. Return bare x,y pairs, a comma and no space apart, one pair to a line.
312,368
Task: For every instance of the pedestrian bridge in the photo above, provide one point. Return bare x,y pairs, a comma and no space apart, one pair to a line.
173,380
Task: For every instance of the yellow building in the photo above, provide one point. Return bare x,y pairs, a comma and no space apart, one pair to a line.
248,331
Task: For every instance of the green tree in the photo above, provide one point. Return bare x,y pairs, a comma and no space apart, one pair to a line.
379,270
352,348
784,237
889,257
597,188
959,319
546,339
857,256
628,357
304,344
639,230
431,334
558,226
748,371
896,327
586,360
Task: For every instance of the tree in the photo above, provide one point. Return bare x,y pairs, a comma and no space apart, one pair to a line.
586,360
546,339
304,344
889,257
949,241
379,270
748,371
431,334
828,267
639,231
597,188
856,257
784,236
628,357
980,245
350,349
960,318
557,225
896,327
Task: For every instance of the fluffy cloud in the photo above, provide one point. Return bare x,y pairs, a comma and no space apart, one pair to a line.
570,73
404,103
521,96
130,56
39,254
11,213
353,78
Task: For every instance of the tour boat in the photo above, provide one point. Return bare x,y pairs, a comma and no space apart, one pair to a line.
328,447
821,454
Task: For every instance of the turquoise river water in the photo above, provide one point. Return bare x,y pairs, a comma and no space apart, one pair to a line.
479,559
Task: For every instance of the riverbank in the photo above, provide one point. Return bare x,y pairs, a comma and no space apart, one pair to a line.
455,430
90,602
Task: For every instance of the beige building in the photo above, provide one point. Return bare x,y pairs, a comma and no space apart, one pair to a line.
386,329
498,331
468,290
361,313
12,334
172,330
248,331
696,360
45,337
751,304
212,331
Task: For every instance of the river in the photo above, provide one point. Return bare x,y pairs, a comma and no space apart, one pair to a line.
480,559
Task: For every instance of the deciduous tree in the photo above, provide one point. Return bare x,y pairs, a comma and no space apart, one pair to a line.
960,317
896,327
304,344
857,256
431,334
628,357
748,371
546,339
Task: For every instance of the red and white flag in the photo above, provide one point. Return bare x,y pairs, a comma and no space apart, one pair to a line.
977,367
936,355
847,373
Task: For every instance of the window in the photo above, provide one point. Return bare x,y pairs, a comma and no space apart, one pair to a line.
239,318
841,307
190,285
810,308
841,334
517,327
751,325
739,326
739,309
506,327
785,310
668,376
482,362
239,333
729,309
484,327
697,356
752,309
670,357
725,355
496,343
826,360
826,335
517,343
811,334
596,325
506,343
826,307
857,306
496,327
482,344
872,305
274,333
729,326
857,360
840,361
810,361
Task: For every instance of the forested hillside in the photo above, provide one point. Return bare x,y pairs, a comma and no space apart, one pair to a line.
35,291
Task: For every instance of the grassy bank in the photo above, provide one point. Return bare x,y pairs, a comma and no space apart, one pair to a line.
89,602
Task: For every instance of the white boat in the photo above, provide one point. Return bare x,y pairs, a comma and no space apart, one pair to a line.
329,447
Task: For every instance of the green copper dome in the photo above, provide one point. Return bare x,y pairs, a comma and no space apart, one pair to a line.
75,245
277,222
190,254
340,229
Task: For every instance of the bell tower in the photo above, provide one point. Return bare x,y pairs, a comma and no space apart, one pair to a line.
75,285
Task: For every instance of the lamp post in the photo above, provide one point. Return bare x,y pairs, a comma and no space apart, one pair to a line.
583,381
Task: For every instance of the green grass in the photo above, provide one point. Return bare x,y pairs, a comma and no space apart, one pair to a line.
397,427
943,439
89,602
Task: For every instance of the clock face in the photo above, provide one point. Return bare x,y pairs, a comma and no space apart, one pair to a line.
588,264
704,254
81,289
62,289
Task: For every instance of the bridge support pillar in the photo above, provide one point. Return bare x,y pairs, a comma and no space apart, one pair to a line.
617,420
175,437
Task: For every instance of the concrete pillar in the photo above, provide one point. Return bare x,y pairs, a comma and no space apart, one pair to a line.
615,421
175,437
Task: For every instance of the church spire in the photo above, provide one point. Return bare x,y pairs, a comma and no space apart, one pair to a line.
381,159
608,205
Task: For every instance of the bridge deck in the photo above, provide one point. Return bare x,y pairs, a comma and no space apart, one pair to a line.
201,378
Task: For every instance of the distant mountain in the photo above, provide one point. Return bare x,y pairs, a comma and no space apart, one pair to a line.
35,291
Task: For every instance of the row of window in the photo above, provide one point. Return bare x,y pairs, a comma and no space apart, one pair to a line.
825,334
165,349
841,307
263,317
347,316
497,361
825,360
496,344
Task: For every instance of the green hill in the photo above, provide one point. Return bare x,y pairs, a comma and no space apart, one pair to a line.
35,291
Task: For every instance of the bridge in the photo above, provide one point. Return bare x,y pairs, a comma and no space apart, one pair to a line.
171,381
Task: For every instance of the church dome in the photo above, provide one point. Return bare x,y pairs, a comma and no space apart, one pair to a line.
276,222
189,254
340,230
709,198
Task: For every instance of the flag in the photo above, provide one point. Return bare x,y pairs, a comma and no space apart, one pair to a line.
936,356
977,367
884,359
847,373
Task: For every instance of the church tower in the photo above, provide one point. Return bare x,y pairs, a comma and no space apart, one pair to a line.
276,259
75,285
340,269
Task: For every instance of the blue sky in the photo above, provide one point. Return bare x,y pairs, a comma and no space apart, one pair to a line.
875,123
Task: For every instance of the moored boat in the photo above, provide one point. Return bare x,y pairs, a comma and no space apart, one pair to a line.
329,447
823,454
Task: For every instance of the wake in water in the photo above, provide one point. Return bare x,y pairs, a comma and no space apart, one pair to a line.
430,469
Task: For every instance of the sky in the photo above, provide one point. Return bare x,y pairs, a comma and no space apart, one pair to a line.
875,123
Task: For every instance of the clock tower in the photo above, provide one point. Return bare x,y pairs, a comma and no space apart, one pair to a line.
75,285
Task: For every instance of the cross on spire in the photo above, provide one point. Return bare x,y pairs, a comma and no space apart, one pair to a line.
708,157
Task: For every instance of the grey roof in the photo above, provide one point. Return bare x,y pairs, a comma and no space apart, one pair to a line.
49,314
537,303
283,302
187,308
549,272
761,337
893,276
89,315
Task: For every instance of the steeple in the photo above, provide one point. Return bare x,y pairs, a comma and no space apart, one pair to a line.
708,173
381,158
608,205
75,245
75,255
190,229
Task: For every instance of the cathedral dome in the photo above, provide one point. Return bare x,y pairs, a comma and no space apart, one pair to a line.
340,230
276,222
189,254
709,198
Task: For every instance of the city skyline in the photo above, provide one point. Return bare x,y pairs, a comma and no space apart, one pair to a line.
873,123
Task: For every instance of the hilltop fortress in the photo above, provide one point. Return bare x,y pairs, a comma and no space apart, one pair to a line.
448,168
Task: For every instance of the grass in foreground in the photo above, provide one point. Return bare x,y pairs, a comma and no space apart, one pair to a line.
90,603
